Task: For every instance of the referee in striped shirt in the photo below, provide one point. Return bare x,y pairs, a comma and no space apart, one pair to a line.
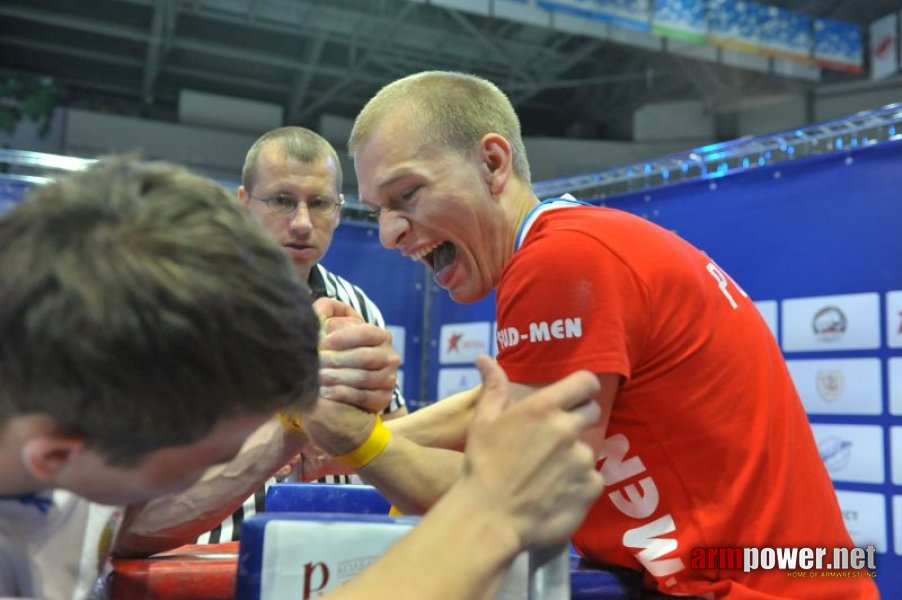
291,183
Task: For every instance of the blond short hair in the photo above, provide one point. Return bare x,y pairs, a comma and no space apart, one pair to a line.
299,144
453,110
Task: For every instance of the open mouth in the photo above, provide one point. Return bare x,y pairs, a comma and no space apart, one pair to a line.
441,257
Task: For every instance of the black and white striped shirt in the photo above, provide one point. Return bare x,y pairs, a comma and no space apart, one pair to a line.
323,284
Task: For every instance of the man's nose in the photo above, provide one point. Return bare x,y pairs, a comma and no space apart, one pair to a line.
300,219
392,228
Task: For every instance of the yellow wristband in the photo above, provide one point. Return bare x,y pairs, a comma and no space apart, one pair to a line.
368,450
291,420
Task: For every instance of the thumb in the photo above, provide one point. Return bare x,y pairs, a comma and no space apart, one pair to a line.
495,394
326,308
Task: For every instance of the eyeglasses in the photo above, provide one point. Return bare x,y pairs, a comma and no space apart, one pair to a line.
286,204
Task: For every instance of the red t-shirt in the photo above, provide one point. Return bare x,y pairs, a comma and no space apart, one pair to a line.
708,445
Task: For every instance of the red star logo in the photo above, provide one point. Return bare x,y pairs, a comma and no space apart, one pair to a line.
453,342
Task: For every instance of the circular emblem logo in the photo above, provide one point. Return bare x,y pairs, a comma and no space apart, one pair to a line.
830,384
835,452
829,323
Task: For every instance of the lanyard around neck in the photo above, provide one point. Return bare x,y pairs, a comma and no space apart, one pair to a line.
541,207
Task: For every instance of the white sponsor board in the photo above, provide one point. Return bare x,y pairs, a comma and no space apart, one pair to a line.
850,386
330,554
303,559
398,337
823,323
894,319
865,517
463,342
851,452
895,452
884,46
897,519
769,310
451,381
894,366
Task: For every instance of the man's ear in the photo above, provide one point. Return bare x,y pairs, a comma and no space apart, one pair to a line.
45,456
242,196
497,159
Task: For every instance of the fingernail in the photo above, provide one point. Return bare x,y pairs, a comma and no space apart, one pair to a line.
325,392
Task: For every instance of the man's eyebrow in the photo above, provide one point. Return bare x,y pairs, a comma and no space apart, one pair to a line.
406,172
387,183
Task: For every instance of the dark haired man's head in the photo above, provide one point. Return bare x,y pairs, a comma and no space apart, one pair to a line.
140,310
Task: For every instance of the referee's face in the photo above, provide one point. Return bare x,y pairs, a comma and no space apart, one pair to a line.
306,231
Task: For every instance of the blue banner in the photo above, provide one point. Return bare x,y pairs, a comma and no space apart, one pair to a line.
734,24
838,45
634,14
786,34
685,20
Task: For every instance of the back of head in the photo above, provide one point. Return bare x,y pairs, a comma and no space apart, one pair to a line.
450,110
139,305
299,144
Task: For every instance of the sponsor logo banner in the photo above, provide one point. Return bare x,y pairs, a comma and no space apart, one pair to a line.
626,13
894,366
895,444
823,323
735,25
851,386
451,381
684,20
302,559
884,46
894,319
838,45
785,34
865,517
463,342
851,452
897,519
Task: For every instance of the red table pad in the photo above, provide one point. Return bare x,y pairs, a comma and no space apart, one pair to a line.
191,572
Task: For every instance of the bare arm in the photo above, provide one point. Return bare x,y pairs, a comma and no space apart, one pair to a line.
357,363
594,435
527,482
177,519
440,425
413,477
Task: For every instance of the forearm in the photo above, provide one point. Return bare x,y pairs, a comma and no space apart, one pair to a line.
412,477
459,551
177,519
440,425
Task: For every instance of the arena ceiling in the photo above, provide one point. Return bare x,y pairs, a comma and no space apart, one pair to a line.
328,56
